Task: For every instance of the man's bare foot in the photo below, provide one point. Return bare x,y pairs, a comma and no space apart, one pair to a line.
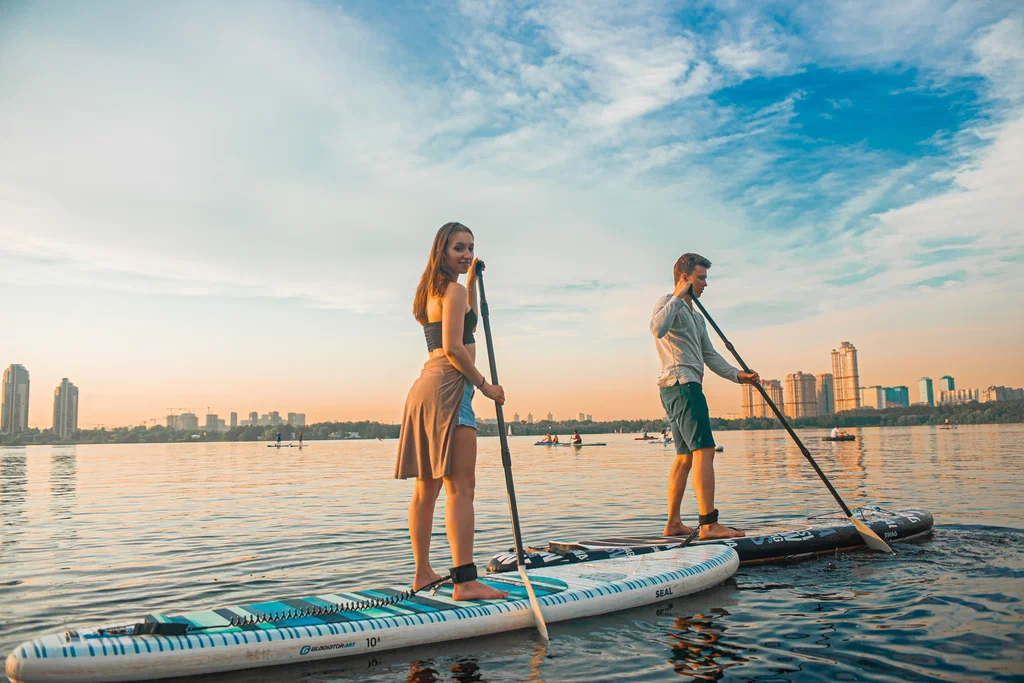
716,530
474,590
425,578
677,530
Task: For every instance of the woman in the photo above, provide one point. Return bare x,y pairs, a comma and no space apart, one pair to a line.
437,444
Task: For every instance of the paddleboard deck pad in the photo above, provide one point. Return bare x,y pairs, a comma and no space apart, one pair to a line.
781,541
296,630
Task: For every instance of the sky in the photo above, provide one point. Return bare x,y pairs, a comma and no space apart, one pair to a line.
227,206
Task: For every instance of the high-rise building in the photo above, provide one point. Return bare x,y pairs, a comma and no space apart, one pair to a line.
297,419
14,411
872,397
957,396
254,418
826,389
234,420
529,418
550,417
590,418
65,409
1001,394
897,396
174,422
211,423
947,383
802,391
925,392
515,417
188,421
581,417
846,377
275,418
754,404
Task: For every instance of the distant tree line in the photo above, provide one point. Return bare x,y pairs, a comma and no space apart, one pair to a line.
1001,412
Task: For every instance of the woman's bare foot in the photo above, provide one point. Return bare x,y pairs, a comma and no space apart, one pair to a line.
474,590
677,530
425,578
716,530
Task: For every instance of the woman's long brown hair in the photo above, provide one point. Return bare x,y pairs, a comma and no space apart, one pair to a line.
437,275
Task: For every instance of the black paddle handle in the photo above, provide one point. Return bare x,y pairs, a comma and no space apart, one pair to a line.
506,456
775,409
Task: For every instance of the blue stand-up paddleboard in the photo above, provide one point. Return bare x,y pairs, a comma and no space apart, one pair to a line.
321,627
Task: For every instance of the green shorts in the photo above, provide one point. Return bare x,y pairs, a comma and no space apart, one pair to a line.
687,409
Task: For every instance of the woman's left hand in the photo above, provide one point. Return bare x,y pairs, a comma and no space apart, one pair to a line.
473,271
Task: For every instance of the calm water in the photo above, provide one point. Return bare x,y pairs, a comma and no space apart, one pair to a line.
108,533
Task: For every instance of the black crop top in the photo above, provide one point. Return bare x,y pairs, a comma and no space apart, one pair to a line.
432,331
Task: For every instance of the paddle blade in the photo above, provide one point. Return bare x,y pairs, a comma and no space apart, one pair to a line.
538,617
871,539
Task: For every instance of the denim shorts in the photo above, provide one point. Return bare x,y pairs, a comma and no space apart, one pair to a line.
466,417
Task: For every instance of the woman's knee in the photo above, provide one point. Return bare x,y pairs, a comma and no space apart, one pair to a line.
426,490
461,486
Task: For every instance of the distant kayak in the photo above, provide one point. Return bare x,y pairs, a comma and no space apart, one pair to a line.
845,437
577,445
645,438
287,445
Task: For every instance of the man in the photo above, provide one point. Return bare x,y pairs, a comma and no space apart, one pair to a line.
547,437
576,438
279,439
681,337
836,432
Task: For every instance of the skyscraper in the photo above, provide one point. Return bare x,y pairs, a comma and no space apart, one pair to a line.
803,395
234,420
174,422
297,419
826,389
946,383
211,422
529,418
846,377
14,411
551,417
65,409
581,417
872,397
188,421
925,393
254,418
754,404
897,396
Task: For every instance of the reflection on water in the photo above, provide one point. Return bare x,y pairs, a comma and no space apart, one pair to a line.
63,483
699,648
13,485
106,533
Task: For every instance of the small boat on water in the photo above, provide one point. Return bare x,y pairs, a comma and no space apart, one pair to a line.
841,437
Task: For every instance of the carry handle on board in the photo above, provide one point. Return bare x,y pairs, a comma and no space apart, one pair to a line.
506,461
871,539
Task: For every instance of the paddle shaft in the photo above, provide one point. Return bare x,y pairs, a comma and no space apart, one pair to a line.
506,461
506,455
775,409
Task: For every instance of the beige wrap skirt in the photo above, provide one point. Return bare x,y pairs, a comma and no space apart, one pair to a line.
428,422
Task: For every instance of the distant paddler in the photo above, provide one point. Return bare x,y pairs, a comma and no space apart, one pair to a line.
684,348
547,437
837,432
576,438
279,439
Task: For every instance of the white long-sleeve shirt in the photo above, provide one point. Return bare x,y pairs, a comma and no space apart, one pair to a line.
684,348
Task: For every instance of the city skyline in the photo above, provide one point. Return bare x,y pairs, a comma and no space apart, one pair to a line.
243,237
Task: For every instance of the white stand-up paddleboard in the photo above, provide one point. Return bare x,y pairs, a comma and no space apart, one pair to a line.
318,627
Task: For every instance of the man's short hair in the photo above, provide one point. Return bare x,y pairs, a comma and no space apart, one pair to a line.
686,265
